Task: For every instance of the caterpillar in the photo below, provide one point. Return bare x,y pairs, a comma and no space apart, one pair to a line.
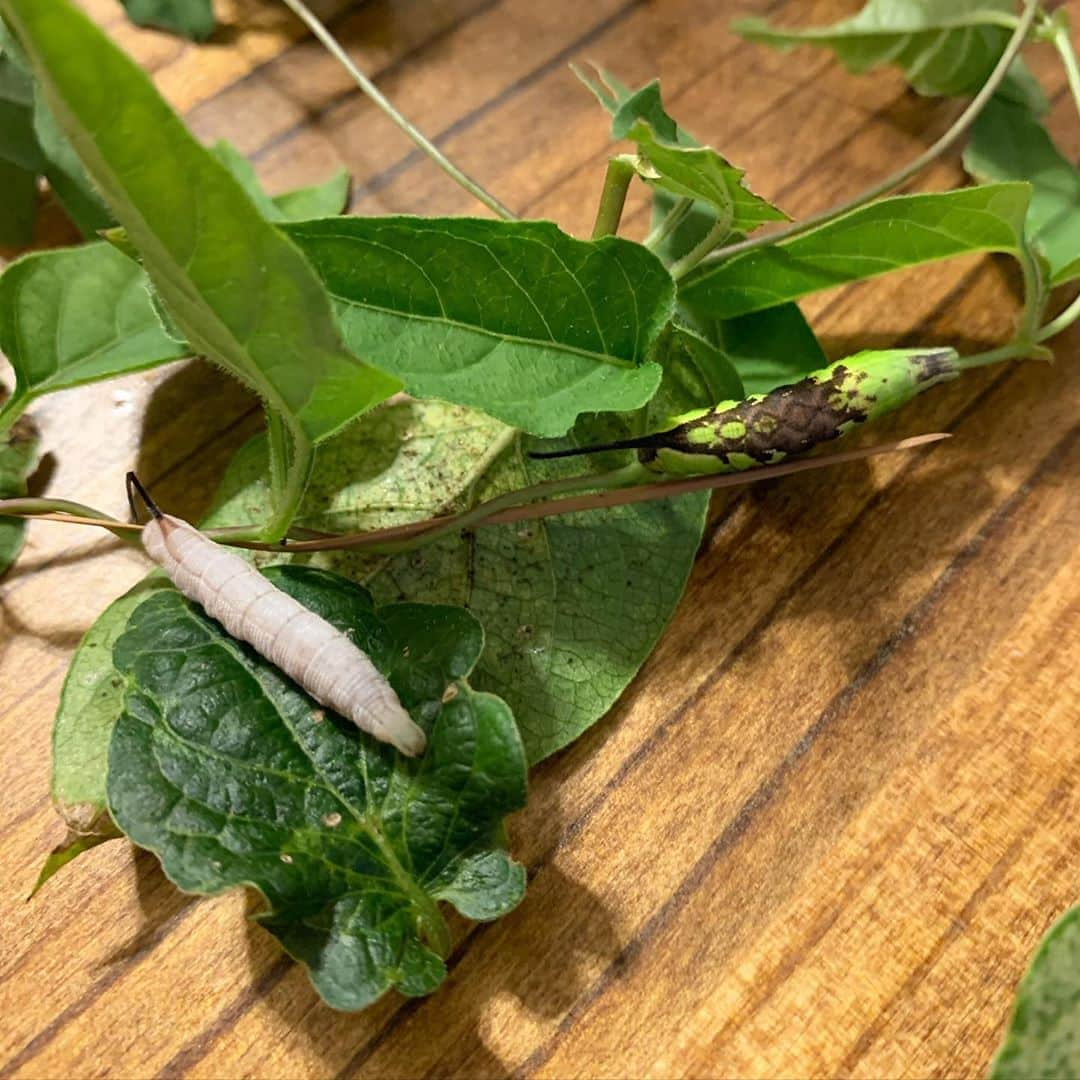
314,654
764,429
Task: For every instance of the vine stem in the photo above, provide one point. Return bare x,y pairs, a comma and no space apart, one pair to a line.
1059,35
633,488
901,176
330,43
669,223
1060,322
620,171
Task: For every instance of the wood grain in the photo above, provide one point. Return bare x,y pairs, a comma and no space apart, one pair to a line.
823,830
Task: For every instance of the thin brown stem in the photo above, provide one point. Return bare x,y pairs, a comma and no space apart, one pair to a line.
495,512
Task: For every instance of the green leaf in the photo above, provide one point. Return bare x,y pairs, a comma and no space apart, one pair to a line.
30,138
66,174
672,161
944,48
18,204
190,18
770,348
322,200
18,143
90,702
242,294
514,318
328,199
1044,1037
75,315
892,234
1008,142
72,846
18,459
697,374
224,769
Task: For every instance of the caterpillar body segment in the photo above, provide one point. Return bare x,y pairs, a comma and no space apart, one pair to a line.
764,429
312,652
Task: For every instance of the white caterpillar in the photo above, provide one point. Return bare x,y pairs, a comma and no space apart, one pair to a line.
316,655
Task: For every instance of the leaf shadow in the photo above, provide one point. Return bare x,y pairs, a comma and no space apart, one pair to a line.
160,902
517,955
179,430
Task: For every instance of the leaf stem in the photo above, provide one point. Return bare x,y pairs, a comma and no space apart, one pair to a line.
1060,322
716,235
1059,35
330,43
296,470
669,223
10,412
901,176
620,171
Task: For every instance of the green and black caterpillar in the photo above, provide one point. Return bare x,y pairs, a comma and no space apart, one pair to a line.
764,429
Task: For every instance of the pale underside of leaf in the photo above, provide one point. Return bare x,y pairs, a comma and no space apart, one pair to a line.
74,315
943,48
1043,1039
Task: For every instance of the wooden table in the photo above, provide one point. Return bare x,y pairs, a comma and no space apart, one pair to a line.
823,830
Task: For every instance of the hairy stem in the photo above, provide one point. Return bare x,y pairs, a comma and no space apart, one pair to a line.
620,171
901,176
330,43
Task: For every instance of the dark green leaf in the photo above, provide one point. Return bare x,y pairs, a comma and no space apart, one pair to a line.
888,235
944,47
770,348
225,770
18,459
29,137
697,374
240,292
514,318
1043,1040
1008,142
66,174
75,315
190,18
18,143
18,205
